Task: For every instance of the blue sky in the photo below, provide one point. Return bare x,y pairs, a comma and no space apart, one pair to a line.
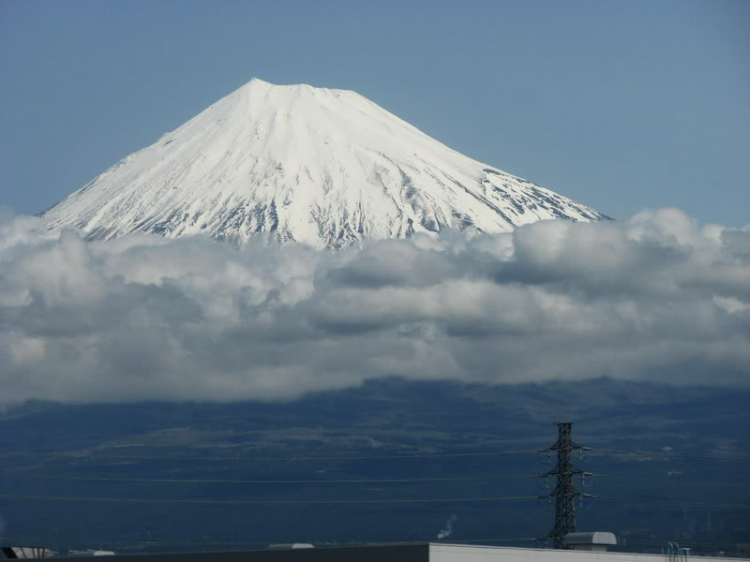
620,105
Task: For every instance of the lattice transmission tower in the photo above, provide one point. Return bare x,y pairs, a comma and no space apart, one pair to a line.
565,493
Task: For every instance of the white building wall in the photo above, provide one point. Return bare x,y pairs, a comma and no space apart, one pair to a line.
463,553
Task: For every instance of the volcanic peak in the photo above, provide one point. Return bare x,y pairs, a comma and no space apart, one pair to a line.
300,164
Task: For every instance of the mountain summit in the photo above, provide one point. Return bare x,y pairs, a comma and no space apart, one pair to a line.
307,165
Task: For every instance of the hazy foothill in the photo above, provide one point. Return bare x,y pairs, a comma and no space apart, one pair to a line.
297,317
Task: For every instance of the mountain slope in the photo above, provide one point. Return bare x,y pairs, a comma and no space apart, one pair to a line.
301,164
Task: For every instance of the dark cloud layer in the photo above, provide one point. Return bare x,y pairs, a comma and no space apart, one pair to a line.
657,297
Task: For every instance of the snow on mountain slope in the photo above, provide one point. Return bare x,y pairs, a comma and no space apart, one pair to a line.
301,164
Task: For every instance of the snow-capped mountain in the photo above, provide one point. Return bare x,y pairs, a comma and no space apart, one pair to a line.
301,164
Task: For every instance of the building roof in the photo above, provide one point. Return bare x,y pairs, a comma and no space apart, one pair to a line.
427,552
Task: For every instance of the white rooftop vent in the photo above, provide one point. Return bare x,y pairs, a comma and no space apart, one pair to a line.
597,541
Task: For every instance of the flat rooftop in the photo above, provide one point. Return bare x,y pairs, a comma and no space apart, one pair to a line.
427,552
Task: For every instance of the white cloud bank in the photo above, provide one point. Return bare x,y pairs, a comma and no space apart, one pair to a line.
657,297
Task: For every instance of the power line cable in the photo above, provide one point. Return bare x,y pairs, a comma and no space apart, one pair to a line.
204,481
666,455
646,479
263,459
669,455
356,501
261,502
676,502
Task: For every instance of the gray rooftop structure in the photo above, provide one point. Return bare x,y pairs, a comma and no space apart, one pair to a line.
428,552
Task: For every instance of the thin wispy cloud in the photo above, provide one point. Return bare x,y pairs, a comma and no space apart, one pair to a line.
657,297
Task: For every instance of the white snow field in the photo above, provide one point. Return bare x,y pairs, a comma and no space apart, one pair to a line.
298,164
